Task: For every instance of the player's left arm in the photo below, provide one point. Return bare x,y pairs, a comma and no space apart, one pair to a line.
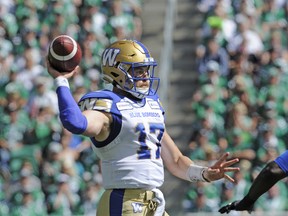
184,168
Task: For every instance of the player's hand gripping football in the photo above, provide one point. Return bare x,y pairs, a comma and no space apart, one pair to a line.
220,168
237,206
54,73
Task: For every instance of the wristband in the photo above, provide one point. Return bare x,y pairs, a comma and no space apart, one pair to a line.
61,81
195,173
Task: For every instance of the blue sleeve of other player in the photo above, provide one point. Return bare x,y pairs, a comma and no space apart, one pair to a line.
70,114
282,161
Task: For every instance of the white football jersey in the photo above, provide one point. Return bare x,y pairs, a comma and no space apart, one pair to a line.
131,155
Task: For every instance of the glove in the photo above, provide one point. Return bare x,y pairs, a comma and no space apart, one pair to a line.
228,208
237,206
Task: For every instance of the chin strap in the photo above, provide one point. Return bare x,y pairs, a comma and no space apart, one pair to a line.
137,94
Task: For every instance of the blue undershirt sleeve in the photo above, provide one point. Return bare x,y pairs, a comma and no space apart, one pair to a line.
70,114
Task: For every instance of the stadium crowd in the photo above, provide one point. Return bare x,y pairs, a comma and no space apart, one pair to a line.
45,170
240,106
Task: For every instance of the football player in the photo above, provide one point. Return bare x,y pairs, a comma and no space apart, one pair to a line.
127,129
273,172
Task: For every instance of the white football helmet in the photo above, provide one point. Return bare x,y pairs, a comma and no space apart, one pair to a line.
119,61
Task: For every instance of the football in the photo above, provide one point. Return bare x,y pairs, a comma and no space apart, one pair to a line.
64,53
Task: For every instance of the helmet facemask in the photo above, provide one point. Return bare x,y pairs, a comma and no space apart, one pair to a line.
133,75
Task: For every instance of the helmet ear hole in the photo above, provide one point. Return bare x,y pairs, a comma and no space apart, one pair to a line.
114,74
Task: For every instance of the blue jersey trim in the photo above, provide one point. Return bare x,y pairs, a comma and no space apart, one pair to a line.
116,202
115,130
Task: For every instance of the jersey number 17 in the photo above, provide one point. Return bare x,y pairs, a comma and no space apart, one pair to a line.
154,128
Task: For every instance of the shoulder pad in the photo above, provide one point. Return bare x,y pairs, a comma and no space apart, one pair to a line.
99,100
155,97
101,94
